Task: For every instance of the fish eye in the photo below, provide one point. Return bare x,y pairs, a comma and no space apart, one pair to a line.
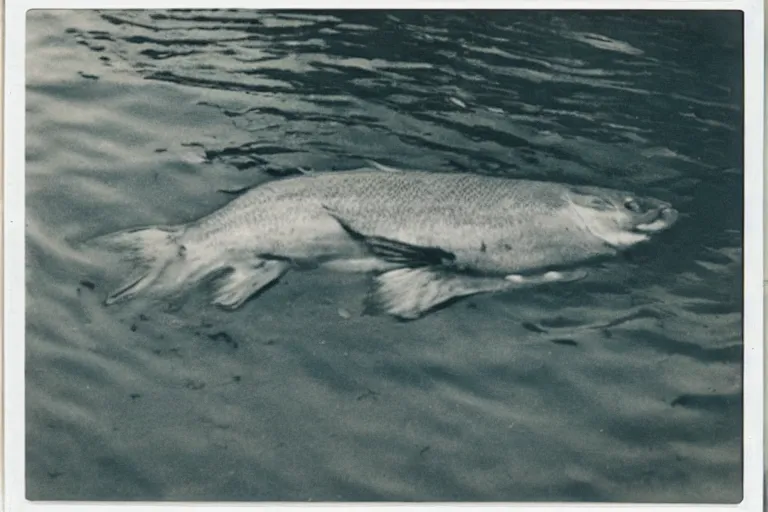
632,205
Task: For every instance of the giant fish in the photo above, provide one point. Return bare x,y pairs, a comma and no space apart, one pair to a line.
427,237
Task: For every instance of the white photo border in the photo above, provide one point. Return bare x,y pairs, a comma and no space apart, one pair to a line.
14,239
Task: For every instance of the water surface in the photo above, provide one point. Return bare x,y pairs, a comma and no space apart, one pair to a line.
624,387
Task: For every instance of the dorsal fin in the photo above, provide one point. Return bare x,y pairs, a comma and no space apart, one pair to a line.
382,167
236,191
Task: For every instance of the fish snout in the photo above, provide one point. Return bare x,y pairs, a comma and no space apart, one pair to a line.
660,219
670,215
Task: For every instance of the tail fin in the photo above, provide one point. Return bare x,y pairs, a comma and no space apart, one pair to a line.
161,261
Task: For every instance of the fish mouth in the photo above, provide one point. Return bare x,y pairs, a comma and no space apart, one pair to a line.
657,220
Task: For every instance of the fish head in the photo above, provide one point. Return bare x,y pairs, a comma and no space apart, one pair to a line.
619,218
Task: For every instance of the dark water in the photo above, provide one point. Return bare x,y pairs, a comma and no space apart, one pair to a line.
624,387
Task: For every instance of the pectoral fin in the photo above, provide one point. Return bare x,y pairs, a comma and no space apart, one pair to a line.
409,293
395,251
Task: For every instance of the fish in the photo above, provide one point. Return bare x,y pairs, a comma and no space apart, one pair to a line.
426,238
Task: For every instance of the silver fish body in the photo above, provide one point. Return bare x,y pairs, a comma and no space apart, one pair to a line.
447,234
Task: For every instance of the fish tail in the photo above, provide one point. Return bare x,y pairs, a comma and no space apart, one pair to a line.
162,265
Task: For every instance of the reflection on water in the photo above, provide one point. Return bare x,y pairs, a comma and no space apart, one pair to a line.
625,387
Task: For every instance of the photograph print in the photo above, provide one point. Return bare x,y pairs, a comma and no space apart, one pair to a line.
384,256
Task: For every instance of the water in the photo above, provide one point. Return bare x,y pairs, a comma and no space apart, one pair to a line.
624,387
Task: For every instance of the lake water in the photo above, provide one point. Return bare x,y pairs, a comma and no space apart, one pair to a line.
624,387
